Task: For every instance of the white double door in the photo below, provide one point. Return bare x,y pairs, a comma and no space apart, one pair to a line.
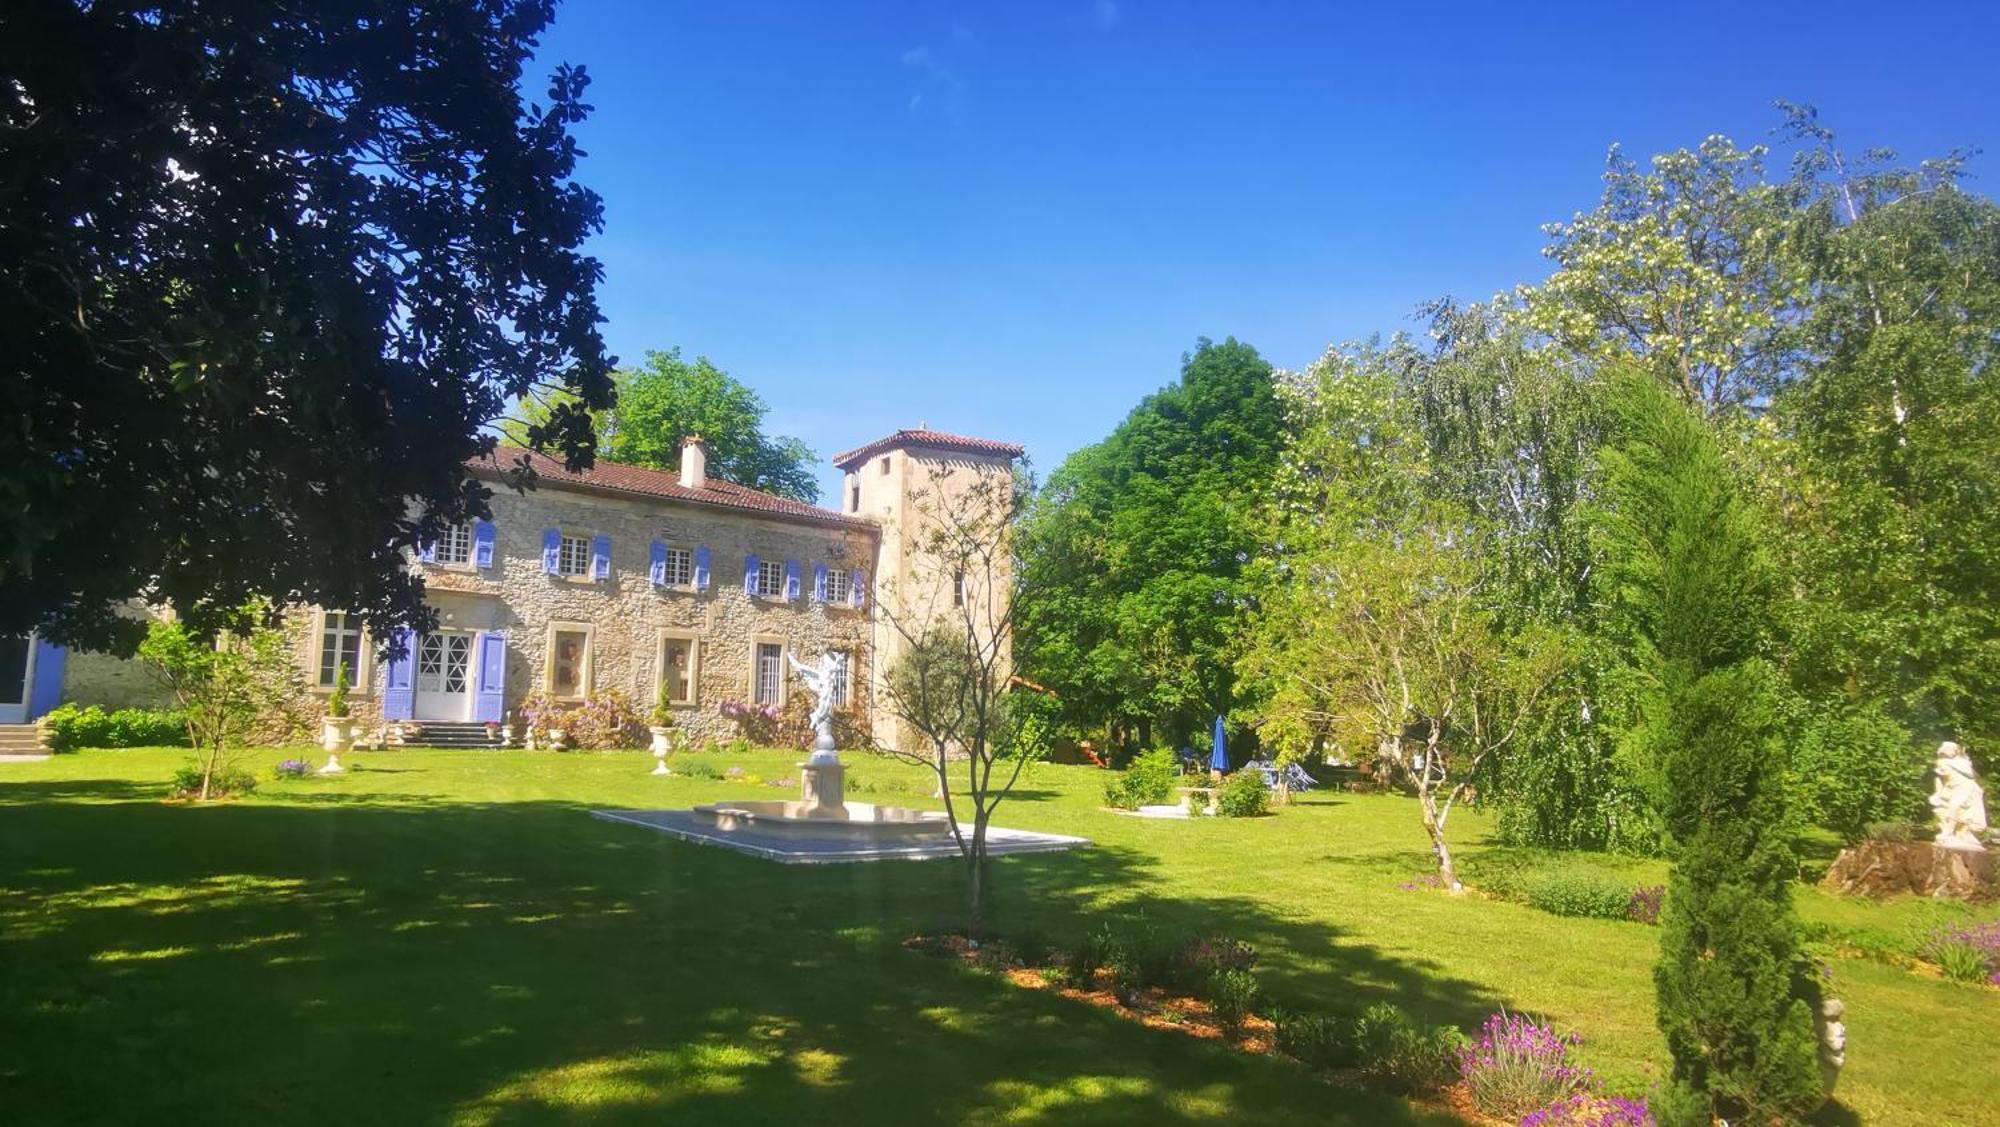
444,676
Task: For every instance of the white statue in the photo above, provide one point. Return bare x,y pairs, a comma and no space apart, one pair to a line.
1957,800
831,670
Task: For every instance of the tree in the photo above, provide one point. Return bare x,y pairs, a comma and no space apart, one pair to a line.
954,685
1691,268
1883,464
662,402
1369,621
267,274
223,685
1136,549
1690,583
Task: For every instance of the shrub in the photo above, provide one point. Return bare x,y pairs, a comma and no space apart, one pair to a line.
292,769
1579,892
227,781
1644,904
1232,995
1092,952
1400,1056
1897,831
697,769
1516,1065
71,727
1315,1039
755,723
1856,767
1149,781
600,722
1680,1104
1586,1110
1966,952
1243,795
1201,957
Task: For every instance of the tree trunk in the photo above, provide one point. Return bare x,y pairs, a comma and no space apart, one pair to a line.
1447,871
976,872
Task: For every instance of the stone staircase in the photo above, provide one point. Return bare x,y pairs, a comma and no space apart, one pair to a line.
26,739
436,734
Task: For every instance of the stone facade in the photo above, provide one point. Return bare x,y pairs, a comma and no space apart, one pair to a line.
508,597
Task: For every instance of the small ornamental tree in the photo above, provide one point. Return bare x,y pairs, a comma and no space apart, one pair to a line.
1690,583
966,716
222,685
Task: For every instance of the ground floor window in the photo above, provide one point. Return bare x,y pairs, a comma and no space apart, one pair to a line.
677,670
339,644
770,673
569,662
843,681
444,663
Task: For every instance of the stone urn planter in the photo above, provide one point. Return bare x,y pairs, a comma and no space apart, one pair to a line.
663,746
558,739
336,734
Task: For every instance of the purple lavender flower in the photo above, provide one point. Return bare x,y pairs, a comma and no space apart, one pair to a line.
1517,1065
1585,1110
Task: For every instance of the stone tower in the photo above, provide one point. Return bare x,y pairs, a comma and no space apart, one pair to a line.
899,482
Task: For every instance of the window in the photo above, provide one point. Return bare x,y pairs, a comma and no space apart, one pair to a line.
854,498
770,671
885,465
844,679
958,588
573,557
444,663
839,586
569,662
680,567
677,670
771,578
339,644
454,545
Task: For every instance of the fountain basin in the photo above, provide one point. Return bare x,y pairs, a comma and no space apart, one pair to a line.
850,821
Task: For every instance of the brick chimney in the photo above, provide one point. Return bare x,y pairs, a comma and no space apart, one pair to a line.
694,463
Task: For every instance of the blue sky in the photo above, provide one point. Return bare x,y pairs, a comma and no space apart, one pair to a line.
1011,219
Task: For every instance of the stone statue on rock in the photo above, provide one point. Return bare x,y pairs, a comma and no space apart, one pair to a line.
1957,800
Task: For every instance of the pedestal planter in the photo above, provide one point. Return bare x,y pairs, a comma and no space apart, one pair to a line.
558,739
336,734
663,745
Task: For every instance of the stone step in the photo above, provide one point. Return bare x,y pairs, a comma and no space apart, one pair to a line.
451,735
16,739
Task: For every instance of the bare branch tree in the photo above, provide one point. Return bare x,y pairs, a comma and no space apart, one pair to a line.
952,686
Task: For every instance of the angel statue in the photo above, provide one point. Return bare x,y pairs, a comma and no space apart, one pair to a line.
822,678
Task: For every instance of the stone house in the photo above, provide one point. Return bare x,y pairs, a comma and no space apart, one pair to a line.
618,578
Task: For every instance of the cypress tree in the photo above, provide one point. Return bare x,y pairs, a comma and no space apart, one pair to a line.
1691,587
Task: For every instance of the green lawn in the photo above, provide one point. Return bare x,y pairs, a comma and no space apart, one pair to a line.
447,937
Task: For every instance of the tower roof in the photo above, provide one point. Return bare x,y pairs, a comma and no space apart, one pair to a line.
928,440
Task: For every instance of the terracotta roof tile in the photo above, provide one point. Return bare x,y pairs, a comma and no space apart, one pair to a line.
615,477
930,440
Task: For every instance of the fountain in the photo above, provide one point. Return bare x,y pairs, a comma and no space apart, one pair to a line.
822,812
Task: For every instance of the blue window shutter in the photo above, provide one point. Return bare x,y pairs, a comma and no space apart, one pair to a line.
428,551
791,581
399,696
857,592
600,557
46,692
658,571
489,671
701,568
482,544
750,575
819,583
551,550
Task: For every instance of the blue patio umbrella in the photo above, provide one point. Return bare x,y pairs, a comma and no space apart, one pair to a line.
1218,757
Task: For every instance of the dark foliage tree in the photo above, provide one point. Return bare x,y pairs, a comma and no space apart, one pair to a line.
1136,550
666,399
1690,584
266,274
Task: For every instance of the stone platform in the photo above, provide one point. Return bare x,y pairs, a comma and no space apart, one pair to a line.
1921,868
792,848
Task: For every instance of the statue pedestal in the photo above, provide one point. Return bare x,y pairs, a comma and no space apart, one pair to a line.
822,790
1921,868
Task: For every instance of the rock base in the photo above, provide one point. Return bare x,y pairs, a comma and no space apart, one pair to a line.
1922,868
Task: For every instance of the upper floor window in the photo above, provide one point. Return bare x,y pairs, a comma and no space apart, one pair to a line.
770,578
839,586
885,465
339,645
680,567
573,556
454,544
